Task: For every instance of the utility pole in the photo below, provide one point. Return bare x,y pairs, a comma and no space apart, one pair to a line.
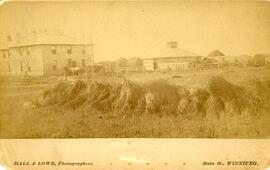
65,73
86,73
93,68
92,72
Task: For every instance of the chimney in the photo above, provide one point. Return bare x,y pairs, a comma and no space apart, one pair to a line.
172,44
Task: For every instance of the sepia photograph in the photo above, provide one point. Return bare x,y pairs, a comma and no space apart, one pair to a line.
174,69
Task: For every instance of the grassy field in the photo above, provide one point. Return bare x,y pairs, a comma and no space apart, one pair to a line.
19,118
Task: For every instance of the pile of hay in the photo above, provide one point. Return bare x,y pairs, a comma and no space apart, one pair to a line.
230,94
158,97
223,97
64,93
155,97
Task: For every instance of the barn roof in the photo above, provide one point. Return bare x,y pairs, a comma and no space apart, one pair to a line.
171,53
215,53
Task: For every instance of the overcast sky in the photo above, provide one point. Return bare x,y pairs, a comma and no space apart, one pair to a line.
131,29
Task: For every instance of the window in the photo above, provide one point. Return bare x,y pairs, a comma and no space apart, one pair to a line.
74,63
21,64
21,51
28,67
28,51
83,50
83,62
6,54
69,62
54,49
69,51
54,66
9,68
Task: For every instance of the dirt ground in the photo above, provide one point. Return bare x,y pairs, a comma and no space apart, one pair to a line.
19,118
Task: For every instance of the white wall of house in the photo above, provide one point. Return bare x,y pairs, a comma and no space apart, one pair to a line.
22,60
57,57
41,60
173,65
31,58
4,62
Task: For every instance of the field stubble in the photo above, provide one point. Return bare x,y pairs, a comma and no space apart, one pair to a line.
161,108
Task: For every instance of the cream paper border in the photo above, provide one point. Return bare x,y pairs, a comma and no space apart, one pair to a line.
136,153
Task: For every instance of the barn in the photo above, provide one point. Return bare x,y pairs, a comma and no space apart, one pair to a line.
261,59
171,58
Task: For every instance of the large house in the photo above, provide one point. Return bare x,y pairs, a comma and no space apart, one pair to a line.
171,58
43,53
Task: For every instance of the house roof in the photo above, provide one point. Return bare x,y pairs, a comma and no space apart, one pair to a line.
72,44
43,39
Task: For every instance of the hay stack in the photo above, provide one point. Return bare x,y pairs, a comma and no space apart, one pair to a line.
230,94
159,97
214,106
59,94
151,103
183,106
155,97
